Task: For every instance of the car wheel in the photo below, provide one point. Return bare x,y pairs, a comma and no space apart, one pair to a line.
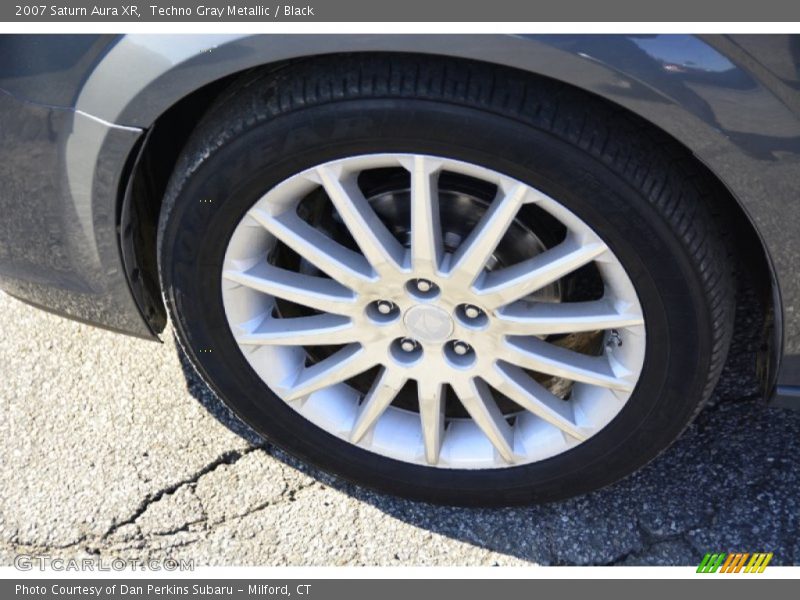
445,281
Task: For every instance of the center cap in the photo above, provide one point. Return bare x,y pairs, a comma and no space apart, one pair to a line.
428,323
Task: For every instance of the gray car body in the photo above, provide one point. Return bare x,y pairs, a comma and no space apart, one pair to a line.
75,113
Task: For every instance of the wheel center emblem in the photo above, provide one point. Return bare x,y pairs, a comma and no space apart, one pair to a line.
428,323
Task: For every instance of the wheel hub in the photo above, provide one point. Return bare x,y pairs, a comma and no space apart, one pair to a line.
428,323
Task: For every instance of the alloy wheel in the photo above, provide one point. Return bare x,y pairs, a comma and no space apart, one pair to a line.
420,307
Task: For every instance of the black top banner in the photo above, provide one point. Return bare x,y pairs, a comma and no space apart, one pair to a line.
440,11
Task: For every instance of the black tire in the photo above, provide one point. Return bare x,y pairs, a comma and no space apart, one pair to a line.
634,186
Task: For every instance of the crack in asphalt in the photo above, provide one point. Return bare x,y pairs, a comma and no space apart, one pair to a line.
97,543
92,544
137,542
650,541
227,458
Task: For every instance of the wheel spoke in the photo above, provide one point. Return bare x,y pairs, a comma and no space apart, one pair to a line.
379,246
514,383
474,252
543,357
342,264
314,330
431,414
378,398
314,292
517,281
426,229
549,318
340,366
477,399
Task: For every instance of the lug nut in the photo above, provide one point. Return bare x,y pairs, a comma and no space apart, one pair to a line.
472,312
460,348
424,288
385,307
408,345
423,285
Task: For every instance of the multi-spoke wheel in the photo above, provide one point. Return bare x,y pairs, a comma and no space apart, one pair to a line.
426,307
440,296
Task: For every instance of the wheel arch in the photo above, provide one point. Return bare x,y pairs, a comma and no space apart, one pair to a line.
179,90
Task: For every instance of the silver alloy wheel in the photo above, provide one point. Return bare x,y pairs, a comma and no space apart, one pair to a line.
435,317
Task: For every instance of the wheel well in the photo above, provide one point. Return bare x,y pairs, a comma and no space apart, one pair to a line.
140,206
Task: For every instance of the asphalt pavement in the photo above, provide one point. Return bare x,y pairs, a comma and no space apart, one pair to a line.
113,447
